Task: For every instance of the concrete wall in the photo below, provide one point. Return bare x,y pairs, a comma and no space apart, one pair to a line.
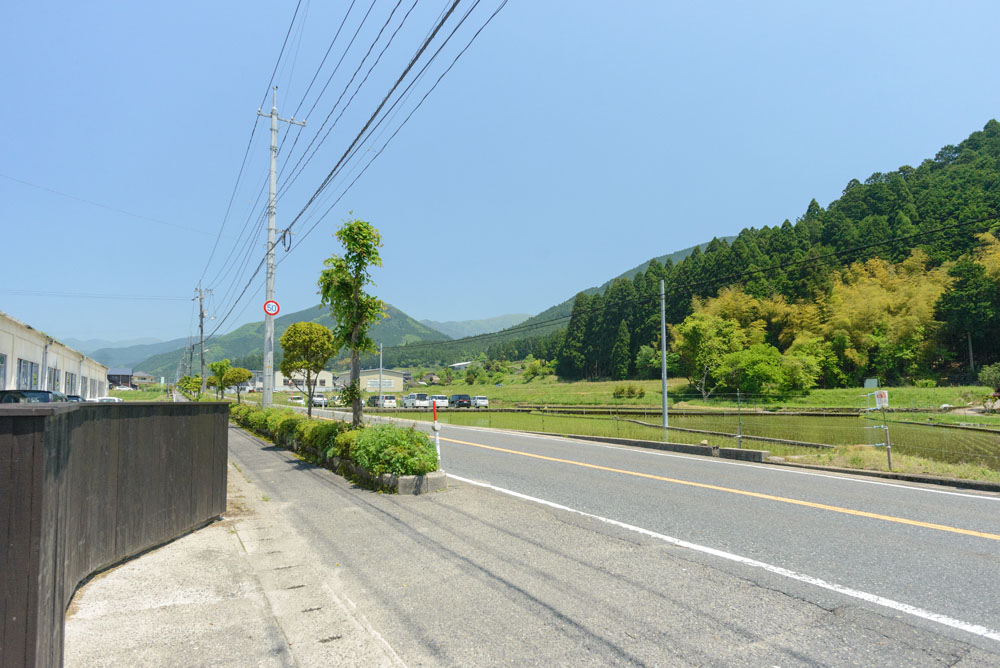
19,341
84,486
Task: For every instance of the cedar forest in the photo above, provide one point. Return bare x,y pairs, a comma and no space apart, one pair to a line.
899,279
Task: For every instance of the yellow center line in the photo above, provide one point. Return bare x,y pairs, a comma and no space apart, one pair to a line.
758,495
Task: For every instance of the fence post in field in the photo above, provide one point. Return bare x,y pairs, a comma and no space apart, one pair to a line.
739,422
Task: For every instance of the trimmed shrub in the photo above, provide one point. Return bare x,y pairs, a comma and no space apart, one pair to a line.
343,444
390,449
239,412
257,421
628,391
322,435
285,426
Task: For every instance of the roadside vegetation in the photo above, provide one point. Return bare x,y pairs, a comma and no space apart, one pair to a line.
150,393
334,444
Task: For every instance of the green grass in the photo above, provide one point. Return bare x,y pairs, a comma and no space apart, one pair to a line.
141,395
550,391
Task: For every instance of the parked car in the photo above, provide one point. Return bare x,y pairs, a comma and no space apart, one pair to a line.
388,401
74,397
480,402
299,401
320,400
30,396
439,400
460,401
416,400
109,400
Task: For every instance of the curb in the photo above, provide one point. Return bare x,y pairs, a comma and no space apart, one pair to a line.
741,454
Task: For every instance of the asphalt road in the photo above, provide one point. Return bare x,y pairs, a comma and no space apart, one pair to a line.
561,552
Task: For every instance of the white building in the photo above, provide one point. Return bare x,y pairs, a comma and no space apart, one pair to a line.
297,383
33,360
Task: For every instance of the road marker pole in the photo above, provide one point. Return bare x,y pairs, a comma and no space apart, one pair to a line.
437,432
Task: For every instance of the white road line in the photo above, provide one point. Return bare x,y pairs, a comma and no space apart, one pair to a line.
905,608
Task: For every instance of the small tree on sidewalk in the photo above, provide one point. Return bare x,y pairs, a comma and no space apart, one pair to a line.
342,286
307,347
235,377
218,370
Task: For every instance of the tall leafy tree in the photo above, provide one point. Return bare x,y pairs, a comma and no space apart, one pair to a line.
970,308
620,358
218,370
342,286
572,358
307,347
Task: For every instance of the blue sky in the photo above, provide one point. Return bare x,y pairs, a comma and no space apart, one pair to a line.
571,142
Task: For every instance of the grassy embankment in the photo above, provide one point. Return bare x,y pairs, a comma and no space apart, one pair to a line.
141,395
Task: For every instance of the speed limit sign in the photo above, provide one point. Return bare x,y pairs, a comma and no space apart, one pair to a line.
271,307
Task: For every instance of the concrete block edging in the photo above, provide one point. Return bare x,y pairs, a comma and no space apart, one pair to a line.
389,482
741,454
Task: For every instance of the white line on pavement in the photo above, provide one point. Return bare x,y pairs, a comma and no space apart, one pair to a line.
905,608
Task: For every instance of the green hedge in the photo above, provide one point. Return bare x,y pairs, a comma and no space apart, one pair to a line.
379,449
388,449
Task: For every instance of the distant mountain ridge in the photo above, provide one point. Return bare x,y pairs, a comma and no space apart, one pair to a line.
91,346
458,329
396,330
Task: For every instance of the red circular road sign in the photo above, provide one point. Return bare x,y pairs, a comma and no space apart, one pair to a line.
271,307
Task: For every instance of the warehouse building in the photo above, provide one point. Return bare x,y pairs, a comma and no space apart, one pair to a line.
33,360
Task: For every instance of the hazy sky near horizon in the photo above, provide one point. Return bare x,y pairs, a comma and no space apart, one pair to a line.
571,142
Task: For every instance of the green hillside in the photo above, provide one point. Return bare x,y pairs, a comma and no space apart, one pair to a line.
396,330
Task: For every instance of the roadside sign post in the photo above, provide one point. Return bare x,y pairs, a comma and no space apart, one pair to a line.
437,433
881,403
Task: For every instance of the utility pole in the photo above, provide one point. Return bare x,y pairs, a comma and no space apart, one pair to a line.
268,398
380,375
663,352
201,330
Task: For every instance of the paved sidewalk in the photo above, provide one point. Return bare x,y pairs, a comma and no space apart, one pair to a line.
239,592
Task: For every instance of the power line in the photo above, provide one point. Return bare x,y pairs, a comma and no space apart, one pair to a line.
336,167
246,153
89,295
401,125
105,206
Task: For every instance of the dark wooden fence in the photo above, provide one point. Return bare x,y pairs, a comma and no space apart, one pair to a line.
84,486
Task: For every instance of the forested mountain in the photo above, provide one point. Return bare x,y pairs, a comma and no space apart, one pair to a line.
246,343
895,279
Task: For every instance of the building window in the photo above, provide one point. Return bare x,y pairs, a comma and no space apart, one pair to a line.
83,387
3,372
286,382
27,375
53,379
70,383
322,382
